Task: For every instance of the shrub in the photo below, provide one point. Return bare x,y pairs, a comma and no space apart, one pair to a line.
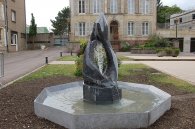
175,52
83,45
156,41
125,46
168,52
79,66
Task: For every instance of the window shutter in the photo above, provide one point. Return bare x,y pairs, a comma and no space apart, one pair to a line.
87,28
91,6
126,6
101,6
108,6
118,6
86,6
150,28
134,29
141,6
76,31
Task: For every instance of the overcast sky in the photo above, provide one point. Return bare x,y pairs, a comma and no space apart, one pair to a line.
44,10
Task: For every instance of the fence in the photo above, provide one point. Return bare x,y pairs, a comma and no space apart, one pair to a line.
1,65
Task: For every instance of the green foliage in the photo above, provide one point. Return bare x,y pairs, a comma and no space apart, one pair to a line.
79,66
68,58
175,52
168,52
61,23
51,70
156,41
164,12
33,27
83,45
125,46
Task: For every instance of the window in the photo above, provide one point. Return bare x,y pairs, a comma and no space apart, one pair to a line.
82,28
180,20
81,6
13,16
1,12
145,6
14,37
193,16
113,6
96,6
1,34
131,6
145,28
130,28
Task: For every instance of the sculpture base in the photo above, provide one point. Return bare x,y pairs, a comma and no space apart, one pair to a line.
100,95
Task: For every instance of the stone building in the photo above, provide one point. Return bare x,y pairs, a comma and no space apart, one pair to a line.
182,28
128,20
12,21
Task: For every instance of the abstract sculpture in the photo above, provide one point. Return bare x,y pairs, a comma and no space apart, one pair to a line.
100,67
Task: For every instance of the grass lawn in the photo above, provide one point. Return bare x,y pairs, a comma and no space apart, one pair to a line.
51,70
73,58
67,58
136,73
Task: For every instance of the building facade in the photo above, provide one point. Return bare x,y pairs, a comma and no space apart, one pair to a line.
185,20
182,28
12,25
128,20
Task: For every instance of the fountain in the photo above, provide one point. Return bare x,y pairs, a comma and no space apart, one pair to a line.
100,101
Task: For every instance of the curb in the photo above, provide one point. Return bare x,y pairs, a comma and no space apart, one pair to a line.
9,83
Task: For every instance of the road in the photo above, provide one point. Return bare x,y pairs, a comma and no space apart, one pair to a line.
20,63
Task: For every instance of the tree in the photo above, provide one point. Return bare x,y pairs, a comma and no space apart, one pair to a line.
165,12
33,29
159,5
61,23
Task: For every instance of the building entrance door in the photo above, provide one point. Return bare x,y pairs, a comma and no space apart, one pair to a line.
14,40
114,31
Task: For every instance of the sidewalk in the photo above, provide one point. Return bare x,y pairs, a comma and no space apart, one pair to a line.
20,63
165,58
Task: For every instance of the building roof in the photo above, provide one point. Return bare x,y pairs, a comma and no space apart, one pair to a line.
181,14
40,30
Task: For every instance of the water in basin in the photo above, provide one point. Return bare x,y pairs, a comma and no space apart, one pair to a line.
71,101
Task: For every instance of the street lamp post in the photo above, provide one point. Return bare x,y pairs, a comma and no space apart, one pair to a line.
176,44
176,22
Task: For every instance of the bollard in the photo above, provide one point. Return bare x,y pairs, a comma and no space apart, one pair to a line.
46,60
60,54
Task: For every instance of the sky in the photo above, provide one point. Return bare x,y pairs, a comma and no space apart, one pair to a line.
44,10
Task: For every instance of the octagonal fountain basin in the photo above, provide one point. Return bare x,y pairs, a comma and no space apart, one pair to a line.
140,106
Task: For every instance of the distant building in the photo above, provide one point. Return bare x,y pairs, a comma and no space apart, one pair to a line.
12,20
43,37
128,20
185,20
182,28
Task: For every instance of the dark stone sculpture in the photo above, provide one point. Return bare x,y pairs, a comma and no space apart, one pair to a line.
100,87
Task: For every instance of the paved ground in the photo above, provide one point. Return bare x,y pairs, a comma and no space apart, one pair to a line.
184,70
20,63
